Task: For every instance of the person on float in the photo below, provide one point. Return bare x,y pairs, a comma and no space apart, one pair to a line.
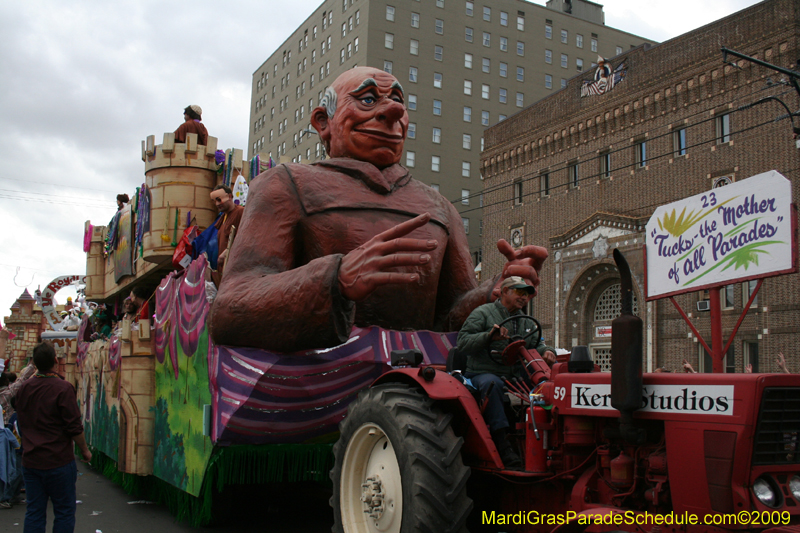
192,117
353,240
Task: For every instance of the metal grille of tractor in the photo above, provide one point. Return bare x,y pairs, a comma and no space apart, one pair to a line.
778,429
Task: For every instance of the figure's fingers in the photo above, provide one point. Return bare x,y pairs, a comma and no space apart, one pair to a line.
524,271
537,254
398,260
506,249
406,245
405,228
390,278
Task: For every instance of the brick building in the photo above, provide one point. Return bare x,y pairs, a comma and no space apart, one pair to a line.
26,322
582,175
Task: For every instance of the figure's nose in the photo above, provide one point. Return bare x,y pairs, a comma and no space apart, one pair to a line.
392,111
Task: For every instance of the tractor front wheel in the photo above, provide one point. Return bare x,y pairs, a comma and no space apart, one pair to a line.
398,466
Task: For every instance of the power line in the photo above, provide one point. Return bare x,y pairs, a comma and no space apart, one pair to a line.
44,201
58,185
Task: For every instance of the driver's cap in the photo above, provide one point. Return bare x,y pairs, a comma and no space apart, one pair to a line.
516,282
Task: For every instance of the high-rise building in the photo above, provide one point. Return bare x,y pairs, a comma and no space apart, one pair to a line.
464,65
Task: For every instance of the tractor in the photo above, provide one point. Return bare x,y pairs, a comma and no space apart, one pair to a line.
618,451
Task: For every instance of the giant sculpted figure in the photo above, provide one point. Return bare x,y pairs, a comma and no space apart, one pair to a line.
352,240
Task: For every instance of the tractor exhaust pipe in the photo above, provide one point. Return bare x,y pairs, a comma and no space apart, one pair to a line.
626,358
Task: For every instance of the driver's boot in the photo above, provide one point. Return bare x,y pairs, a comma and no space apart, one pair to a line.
507,454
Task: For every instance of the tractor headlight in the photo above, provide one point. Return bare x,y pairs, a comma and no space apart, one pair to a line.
766,493
794,486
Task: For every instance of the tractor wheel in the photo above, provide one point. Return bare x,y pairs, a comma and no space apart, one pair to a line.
398,466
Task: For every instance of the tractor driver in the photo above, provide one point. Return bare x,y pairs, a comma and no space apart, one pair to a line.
483,340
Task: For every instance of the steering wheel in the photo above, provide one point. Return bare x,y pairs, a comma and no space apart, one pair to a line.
536,330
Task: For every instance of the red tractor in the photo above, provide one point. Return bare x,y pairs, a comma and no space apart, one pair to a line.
601,452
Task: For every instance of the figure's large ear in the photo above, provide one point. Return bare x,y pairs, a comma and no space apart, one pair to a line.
321,123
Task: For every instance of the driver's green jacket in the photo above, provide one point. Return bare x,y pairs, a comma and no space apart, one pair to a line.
474,338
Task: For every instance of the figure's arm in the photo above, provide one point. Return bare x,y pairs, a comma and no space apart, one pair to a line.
268,298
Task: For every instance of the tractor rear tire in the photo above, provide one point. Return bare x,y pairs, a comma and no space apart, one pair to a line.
398,466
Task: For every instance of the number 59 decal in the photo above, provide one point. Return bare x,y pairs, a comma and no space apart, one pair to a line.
560,393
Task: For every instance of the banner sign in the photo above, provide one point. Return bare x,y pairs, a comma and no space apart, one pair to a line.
695,399
737,232
45,297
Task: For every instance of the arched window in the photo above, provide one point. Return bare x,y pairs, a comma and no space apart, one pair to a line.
608,306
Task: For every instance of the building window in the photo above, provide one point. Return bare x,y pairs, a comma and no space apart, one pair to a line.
564,36
415,20
564,61
466,168
390,13
438,52
503,44
435,160
518,193
503,70
503,18
520,23
435,187
439,3
412,74
464,196
520,74
411,158
594,45
579,40
439,26
388,41
520,48
486,65
468,34
412,102
548,56
465,221
437,135
487,14
748,288
467,60
503,96
605,164
485,91
344,29
572,173
563,83
723,125
619,50
341,56
468,87
640,149
387,67
487,39
548,31
484,118
412,130
679,142
467,114
579,64
437,108
520,99
548,81
544,184
437,80
726,294
466,141
470,8
358,17
414,47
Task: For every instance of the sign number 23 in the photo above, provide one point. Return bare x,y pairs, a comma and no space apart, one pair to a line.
560,393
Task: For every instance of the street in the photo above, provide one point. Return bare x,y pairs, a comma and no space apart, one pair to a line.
106,508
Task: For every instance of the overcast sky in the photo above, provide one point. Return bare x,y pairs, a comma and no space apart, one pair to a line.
83,82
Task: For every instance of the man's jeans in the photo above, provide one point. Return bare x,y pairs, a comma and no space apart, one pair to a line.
57,484
495,414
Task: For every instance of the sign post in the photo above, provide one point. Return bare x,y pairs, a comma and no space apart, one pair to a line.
730,234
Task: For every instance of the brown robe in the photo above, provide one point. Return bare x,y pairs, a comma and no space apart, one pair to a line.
281,290
192,126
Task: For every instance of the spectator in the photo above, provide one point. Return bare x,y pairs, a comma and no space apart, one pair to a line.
192,124
688,367
49,423
222,196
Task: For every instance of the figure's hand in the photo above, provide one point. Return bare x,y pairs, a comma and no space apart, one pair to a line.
498,333
367,267
525,263
688,368
781,361
549,358
748,369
